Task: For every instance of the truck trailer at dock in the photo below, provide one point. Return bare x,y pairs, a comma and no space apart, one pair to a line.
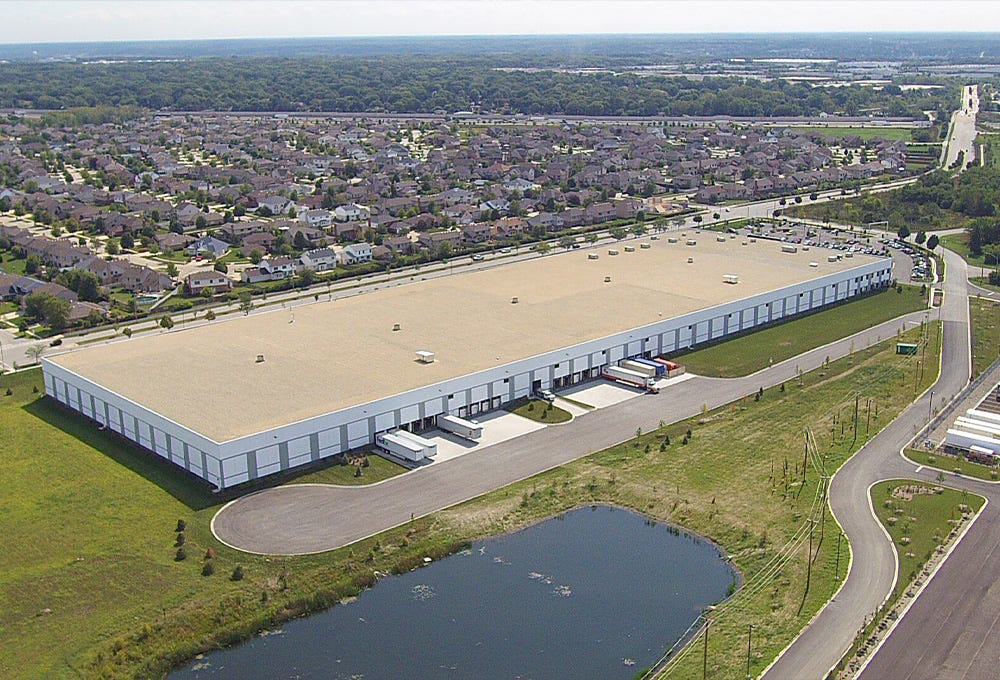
460,426
629,377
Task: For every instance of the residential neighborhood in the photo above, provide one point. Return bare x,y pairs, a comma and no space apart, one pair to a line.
147,204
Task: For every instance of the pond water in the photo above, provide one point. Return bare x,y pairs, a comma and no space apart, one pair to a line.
598,592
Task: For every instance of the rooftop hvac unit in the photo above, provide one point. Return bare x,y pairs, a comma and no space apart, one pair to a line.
425,357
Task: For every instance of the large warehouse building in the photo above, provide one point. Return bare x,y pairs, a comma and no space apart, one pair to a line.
237,400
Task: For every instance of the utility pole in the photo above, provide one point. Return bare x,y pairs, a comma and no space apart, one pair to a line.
812,526
857,398
749,638
805,456
704,660
836,569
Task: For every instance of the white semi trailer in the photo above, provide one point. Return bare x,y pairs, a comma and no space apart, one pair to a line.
629,377
405,445
460,426
639,367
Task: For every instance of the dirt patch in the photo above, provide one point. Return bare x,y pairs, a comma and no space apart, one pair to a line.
906,492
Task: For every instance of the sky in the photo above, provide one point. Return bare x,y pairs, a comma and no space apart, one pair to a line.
101,20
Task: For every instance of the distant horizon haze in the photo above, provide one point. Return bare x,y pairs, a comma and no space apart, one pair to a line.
63,21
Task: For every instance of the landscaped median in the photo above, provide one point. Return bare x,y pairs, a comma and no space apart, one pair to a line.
93,586
540,411
922,520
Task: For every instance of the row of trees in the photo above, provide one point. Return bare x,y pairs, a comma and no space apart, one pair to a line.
425,84
937,201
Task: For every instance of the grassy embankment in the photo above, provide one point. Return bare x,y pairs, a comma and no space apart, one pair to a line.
90,585
750,353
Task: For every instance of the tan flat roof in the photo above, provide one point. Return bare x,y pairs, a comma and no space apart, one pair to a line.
341,353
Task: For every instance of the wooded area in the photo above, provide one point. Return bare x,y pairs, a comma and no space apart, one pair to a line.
428,84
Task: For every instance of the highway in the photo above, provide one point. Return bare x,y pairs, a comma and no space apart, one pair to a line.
963,129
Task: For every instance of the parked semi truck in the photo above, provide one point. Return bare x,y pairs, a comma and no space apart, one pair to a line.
463,428
638,367
406,445
629,377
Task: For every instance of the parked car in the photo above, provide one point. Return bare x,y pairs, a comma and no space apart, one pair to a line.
546,395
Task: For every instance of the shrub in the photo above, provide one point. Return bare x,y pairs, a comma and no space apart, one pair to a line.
181,555
357,471
237,573
208,568
180,539
365,462
9,392
181,526
210,554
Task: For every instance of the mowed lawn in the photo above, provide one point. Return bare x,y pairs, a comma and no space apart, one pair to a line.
749,353
80,531
89,541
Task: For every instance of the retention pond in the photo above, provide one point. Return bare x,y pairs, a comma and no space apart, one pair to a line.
598,592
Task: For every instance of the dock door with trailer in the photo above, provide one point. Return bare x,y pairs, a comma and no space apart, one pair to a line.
460,426
405,445
638,367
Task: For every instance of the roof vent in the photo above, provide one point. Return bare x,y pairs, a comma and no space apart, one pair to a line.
513,300
607,279
395,327
260,358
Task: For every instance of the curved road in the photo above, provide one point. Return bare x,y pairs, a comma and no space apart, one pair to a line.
873,565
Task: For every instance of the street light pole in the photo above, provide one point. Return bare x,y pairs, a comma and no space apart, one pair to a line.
749,638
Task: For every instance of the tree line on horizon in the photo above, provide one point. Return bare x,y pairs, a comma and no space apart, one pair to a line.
425,85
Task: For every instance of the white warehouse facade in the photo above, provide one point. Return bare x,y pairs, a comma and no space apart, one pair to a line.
282,440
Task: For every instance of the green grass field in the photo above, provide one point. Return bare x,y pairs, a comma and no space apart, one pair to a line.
985,317
10,265
865,133
750,353
950,463
960,244
90,585
918,517
539,411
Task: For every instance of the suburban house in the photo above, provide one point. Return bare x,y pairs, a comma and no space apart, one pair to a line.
270,269
198,282
351,211
277,205
357,253
316,218
319,260
208,245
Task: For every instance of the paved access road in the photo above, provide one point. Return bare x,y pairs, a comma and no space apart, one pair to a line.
963,129
873,566
301,519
